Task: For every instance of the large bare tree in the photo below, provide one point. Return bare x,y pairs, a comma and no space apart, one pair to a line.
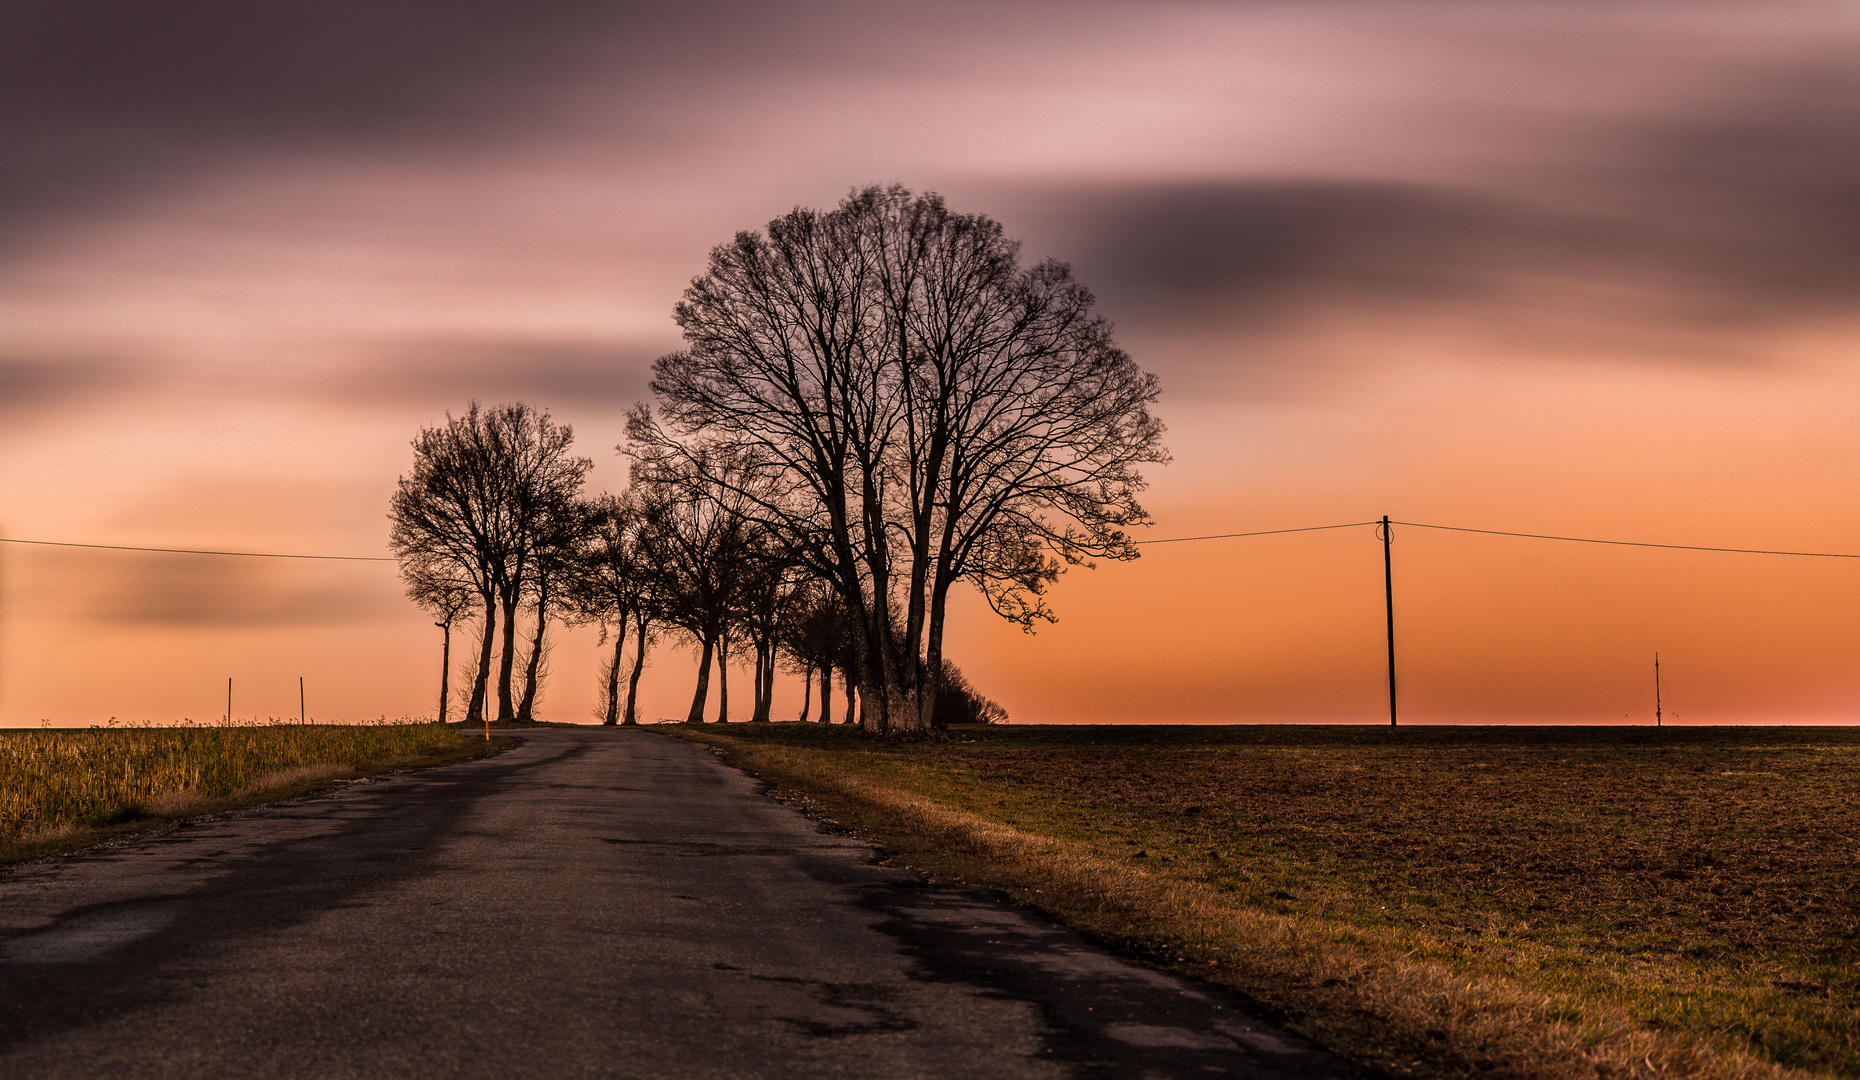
448,522
919,409
486,494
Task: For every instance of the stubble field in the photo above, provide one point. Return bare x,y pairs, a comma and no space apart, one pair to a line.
1548,902
62,788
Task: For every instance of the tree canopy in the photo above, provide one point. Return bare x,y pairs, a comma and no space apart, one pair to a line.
900,406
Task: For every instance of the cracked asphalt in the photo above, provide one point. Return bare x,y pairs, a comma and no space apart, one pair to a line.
600,903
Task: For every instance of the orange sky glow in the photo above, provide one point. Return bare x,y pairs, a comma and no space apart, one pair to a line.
1584,270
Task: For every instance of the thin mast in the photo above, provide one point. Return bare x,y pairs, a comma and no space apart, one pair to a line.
1656,690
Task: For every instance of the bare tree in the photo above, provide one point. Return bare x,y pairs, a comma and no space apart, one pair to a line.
612,584
701,550
448,519
921,410
484,495
765,602
1026,423
563,530
651,608
545,483
817,638
432,584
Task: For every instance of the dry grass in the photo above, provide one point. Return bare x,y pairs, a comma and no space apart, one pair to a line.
1494,902
60,788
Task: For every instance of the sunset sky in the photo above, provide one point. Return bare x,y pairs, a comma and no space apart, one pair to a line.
1586,269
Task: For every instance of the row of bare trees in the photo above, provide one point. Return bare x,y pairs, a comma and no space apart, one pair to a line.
493,532
875,403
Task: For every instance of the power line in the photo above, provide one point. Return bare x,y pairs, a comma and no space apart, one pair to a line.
191,551
1502,532
1633,543
1263,532
1165,540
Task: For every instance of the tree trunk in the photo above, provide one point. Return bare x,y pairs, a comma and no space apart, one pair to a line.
807,691
696,715
933,650
880,672
765,684
826,693
852,699
487,641
445,669
873,697
526,711
723,680
755,685
768,683
613,677
632,681
506,708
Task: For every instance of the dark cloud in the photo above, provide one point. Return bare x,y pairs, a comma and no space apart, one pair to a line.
1251,251
101,96
1745,219
1759,198
143,588
447,372
108,97
111,98
33,388
239,68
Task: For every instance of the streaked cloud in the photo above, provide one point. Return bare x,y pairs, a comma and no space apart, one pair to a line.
447,371
105,97
34,387
1652,239
206,591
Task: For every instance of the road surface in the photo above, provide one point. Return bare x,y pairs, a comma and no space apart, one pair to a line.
598,903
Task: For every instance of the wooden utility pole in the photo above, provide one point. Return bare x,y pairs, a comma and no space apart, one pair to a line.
1388,599
229,701
303,715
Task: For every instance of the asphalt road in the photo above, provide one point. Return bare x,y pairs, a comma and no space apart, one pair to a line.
592,903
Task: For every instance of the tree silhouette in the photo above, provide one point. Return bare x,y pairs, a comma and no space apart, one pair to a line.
446,596
765,604
562,531
487,492
914,410
613,584
702,549
817,638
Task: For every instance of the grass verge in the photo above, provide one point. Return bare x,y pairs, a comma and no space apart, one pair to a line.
61,790
1541,903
